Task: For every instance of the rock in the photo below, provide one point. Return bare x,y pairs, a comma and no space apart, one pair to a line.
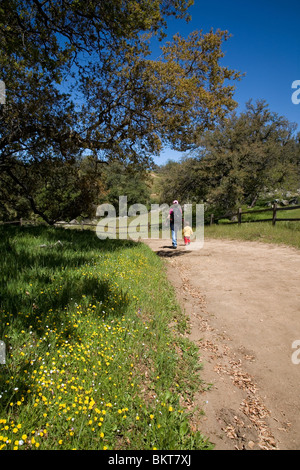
52,244
281,202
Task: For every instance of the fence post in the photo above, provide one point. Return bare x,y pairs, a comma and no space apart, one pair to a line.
21,221
211,219
239,216
274,214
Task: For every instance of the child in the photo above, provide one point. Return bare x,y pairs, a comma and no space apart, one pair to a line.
187,232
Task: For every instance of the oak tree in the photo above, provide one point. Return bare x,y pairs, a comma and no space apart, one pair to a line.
80,79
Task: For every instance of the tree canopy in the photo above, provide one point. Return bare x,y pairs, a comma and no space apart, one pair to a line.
81,80
234,163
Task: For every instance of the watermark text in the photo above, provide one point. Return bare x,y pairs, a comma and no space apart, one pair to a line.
137,222
2,92
296,93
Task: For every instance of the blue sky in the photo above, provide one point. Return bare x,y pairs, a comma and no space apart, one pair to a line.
265,45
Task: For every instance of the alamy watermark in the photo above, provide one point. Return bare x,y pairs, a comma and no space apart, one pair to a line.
2,92
296,354
2,353
137,222
296,93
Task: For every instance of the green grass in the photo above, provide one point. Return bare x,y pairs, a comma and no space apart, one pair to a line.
281,214
92,361
283,233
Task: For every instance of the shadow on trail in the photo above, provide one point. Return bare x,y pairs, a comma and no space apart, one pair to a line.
170,252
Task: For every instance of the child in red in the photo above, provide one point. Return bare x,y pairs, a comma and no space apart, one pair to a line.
187,233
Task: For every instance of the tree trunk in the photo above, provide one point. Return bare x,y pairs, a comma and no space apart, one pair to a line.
254,201
30,198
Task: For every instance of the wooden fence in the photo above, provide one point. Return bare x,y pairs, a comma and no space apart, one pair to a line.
19,222
274,209
79,225
123,227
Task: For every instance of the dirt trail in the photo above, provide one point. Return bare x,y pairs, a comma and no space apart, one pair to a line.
243,302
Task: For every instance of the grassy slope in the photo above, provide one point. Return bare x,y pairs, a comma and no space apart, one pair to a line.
91,359
286,233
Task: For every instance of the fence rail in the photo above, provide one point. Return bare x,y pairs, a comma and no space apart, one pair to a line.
82,224
274,209
79,225
19,222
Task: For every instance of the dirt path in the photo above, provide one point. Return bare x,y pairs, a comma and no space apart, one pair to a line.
243,302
